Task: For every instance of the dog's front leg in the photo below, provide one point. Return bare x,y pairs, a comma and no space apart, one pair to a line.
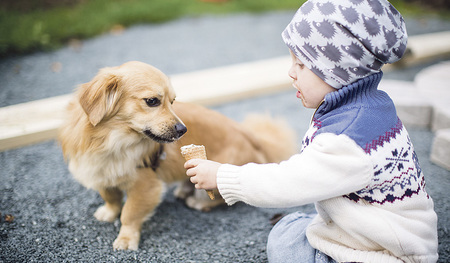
113,204
142,199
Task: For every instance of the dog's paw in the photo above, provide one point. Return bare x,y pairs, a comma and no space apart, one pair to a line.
200,201
128,239
193,203
184,190
125,244
106,214
202,204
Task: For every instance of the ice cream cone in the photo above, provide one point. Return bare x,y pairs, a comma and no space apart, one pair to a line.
196,152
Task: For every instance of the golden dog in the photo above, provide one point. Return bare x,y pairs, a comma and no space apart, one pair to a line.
123,136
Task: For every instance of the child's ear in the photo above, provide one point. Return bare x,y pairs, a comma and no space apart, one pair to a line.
99,96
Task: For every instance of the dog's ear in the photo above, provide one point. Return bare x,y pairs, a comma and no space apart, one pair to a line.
99,96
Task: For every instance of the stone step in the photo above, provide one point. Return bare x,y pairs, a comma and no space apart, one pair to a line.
434,83
440,149
412,108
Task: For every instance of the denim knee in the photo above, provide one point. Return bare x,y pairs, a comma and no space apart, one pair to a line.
287,241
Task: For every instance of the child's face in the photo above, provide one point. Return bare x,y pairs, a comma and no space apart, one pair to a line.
310,88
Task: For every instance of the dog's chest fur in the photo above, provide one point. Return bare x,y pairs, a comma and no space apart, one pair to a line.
115,165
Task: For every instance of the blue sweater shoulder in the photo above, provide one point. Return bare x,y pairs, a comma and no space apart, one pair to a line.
359,110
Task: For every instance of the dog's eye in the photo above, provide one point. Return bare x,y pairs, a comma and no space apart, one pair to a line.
152,102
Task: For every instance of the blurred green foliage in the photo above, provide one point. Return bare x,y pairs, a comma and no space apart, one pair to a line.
30,25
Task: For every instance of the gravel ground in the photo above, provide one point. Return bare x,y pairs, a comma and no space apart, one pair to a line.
54,223
53,219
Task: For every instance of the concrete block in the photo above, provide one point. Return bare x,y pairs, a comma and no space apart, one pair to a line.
412,108
426,47
441,117
440,149
434,83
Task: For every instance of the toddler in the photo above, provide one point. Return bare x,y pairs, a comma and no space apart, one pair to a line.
357,163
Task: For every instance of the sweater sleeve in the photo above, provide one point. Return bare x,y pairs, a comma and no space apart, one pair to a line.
332,165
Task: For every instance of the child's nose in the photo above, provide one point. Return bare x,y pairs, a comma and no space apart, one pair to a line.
291,73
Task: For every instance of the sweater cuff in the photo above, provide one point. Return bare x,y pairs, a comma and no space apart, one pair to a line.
228,183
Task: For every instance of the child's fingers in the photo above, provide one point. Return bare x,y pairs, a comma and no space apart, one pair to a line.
191,163
191,172
193,180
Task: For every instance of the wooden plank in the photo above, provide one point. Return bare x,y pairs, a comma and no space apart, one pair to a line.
31,122
224,84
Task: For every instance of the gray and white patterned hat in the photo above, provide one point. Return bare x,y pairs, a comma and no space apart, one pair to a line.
342,41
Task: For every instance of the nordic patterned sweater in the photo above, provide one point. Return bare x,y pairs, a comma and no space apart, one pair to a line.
359,168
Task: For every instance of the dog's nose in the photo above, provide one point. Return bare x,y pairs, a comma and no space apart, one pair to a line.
180,129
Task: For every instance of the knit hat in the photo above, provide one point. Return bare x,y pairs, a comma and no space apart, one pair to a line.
342,41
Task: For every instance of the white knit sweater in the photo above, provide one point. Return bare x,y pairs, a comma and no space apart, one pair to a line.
369,191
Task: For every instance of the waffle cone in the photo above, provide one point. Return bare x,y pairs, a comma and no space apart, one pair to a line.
196,152
193,152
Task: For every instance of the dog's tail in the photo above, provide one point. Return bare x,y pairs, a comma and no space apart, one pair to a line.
275,137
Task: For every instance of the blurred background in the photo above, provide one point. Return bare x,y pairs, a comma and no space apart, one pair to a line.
48,47
31,25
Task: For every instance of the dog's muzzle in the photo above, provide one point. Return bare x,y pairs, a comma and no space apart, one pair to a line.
176,132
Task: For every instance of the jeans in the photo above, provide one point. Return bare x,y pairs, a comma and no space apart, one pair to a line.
288,243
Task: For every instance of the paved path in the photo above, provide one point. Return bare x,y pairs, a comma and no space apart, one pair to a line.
180,46
53,214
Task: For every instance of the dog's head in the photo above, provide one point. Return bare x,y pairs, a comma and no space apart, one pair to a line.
133,96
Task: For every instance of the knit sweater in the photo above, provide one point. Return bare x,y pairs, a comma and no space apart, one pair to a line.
359,168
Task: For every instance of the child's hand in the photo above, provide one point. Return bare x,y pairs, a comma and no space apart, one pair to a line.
203,173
